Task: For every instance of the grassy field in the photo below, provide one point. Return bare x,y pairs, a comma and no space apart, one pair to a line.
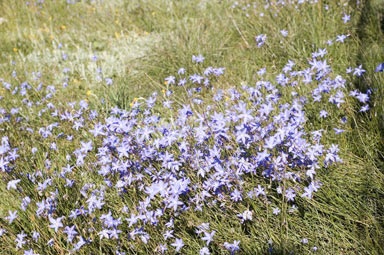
147,181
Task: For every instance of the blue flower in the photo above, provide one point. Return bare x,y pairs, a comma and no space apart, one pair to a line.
178,244
55,223
12,184
380,68
198,59
12,216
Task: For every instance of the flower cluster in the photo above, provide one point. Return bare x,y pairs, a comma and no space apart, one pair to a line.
201,159
195,79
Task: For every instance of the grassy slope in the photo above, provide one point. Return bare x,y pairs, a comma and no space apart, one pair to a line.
344,218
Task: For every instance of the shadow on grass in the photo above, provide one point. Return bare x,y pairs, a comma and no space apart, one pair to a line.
370,20
368,30
287,250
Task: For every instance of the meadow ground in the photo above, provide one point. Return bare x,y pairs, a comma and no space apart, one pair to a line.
144,127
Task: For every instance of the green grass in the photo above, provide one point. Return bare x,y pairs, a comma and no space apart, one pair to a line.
139,43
